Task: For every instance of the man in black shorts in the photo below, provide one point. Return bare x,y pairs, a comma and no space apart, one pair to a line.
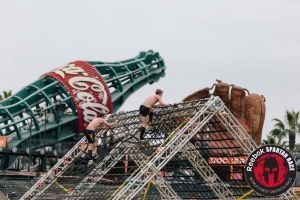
146,110
89,133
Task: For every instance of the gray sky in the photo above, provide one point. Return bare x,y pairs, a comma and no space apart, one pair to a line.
252,44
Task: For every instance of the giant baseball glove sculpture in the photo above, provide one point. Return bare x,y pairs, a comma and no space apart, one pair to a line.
248,108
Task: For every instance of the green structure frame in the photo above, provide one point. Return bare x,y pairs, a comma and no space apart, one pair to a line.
32,113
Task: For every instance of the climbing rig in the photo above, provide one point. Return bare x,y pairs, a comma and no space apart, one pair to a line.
175,142
180,140
159,182
204,121
129,122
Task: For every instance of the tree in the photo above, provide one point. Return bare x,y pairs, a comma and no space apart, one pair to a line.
269,140
297,148
289,128
6,94
279,132
274,141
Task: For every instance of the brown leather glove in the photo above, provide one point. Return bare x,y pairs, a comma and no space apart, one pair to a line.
247,108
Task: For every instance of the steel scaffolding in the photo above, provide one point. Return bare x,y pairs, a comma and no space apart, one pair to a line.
193,149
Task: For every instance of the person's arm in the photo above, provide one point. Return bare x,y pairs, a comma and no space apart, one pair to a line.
110,124
101,127
161,102
156,106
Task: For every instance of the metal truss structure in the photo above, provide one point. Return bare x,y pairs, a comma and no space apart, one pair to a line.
193,149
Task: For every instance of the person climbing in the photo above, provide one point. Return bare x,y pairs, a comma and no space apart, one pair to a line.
89,133
147,110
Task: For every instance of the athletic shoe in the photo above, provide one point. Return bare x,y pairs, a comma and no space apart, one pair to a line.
141,141
95,155
90,162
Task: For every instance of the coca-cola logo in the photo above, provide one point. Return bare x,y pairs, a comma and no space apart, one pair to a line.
87,88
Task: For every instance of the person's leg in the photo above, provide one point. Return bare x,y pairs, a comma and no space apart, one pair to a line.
90,153
144,111
91,149
95,144
145,121
151,116
90,136
92,141
95,153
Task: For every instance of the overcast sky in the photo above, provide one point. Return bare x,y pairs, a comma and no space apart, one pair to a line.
252,44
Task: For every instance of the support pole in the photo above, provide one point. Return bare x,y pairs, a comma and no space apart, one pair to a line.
147,189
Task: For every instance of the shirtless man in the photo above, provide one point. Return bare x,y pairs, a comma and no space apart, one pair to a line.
146,110
89,133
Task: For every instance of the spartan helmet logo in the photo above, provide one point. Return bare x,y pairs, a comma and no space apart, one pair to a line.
271,167
269,172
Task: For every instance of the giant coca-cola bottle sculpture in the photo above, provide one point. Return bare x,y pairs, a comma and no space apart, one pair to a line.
61,103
